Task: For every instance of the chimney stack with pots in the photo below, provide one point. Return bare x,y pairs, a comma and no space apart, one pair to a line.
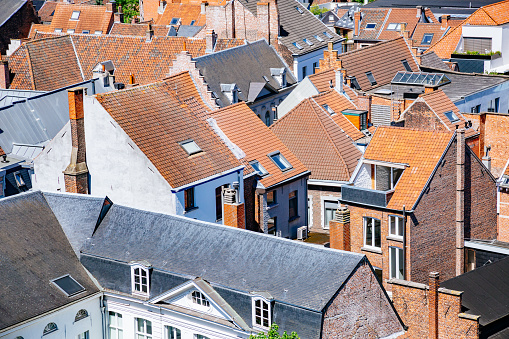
232,209
339,229
445,21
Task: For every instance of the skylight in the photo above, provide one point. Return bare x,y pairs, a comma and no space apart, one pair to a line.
85,32
192,22
406,65
308,42
371,26
328,109
371,78
190,147
426,39
296,44
299,9
58,30
75,15
174,21
98,32
451,116
393,27
68,285
327,34
355,84
280,161
420,78
259,168
70,31
318,38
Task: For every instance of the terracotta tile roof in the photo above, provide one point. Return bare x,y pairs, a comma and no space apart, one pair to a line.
322,80
371,16
222,44
421,150
47,11
38,28
423,28
318,141
402,15
506,168
382,59
137,29
91,18
490,15
156,119
185,12
248,132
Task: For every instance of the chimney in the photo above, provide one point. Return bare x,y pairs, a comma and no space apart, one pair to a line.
111,6
404,31
482,133
460,200
5,80
339,229
445,21
263,22
150,32
430,89
119,15
131,79
356,23
420,12
232,210
204,5
486,159
210,41
433,305
339,81
76,173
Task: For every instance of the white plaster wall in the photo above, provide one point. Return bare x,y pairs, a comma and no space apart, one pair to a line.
363,178
260,107
64,319
309,58
304,90
499,42
486,98
185,300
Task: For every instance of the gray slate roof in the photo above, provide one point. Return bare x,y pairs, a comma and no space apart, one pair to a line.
290,271
347,20
188,31
8,8
242,66
34,251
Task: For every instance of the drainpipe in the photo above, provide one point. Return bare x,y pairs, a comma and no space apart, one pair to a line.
103,315
404,244
460,200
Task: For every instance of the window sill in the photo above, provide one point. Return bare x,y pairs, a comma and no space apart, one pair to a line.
190,210
271,206
372,249
395,238
293,218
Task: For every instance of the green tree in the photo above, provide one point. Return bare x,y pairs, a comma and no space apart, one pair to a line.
130,8
274,334
317,10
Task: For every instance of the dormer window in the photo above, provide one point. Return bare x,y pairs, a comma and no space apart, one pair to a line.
386,177
199,298
280,75
58,30
280,161
190,147
75,15
174,21
231,92
70,31
259,168
261,313
140,282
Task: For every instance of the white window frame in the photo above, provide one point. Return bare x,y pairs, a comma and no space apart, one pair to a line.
399,226
58,30
98,32
144,269
394,251
393,185
19,179
117,328
372,245
200,299
282,159
263,302
70,31
172,332
144,334
84,335
75,15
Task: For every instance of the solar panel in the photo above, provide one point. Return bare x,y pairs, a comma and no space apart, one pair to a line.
68,285
420,78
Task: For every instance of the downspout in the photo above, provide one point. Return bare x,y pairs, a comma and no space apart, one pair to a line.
404,244
103,315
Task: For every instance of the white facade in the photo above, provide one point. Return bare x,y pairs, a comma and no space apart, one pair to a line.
307,60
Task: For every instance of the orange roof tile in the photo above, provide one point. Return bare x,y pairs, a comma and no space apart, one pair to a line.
421,150
38,28
322,80
427,28
185,12
247,131
318,141
157,118
47,11
137,29
91,18
402,15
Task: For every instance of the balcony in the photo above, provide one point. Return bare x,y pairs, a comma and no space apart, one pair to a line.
365,196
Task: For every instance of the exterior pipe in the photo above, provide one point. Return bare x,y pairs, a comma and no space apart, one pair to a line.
404,244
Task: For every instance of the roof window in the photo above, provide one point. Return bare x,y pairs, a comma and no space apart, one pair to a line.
355,83
174,21
393,27
259,168
328,109
85,32
299,9
70,31
98,32
308,42
296,44
280,161
192,22
68,285
371,78
265,78
406,65
58,30
19,179
190,147
318,38
371,25
426,39
75,15
420,78
451,116
327,34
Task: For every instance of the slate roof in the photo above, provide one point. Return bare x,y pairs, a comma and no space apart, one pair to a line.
242,65
185,12
225,256
34,251
484,291
421,150
382,59
92,18
8,8
47,11
137,29
247,131
157,118
315,137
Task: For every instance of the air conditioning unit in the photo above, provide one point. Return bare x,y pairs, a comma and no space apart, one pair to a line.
302,233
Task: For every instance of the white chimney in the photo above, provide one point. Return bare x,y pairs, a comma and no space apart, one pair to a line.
339,81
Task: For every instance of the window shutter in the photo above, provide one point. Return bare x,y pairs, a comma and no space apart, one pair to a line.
480,45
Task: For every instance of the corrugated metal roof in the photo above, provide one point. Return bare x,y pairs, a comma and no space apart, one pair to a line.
9,96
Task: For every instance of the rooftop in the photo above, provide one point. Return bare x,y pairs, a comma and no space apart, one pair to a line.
47,11
81,18
187,14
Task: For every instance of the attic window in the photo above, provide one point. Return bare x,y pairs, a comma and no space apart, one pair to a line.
451,116
50,328
280,161
328,109
371,78
308,42
259,168
174,21
355,84
327,34
393,27
426,39
68,285
299,9
98,32
192,22
199,299
406,65
190,147
75,15
85,32
58,30
70,31
318,38
296,44
19,179
371,26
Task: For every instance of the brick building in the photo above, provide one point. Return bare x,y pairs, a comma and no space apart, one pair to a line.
503,205
416,196
16,17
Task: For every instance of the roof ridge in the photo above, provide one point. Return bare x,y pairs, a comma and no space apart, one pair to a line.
489,15
77,58
287,114
387,14
30,68
369,47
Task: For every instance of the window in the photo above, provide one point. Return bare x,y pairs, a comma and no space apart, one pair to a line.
396,226
172,332
70,31
371,26
199,298
393,27
426,39
329,211
396,263
19,179
75,15
143,329
372,232
318,38
328,109
308,42
139,279
371,78
272,226
190,147
378,273
58,30
497,104
192,22
304,71
280,161
258,168
98,32
174,21
189,199
267,118
261,313
476,109
299,9
469,260
271,197
219,203
82,314
68,285
84,335
199,336
386,178
354,83
327,34
296,44
315,67
481,45
406,65
451,116
85,32
51,327
293,205
115,325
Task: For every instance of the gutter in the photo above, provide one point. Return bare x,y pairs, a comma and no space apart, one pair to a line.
375,207
303,174
331,183
207,179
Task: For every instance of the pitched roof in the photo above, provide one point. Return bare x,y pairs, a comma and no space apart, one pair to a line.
322,81
410,16
375,16
157,118
186,13
47,11
427,28
421,150
313,135
8,8
247,131
383,60
224,256
490,15
137,29
91,18
431,60
34,251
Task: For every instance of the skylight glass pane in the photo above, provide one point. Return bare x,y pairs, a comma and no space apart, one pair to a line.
371,78
68,285
405,77
406,65
420,78
370,26
327,34
174,21
444,80
318,38
451,116
299,9
192,22
426,39
280,161
398,76
297,45
259,168
190,147
75,15
412,78
391,26
308,42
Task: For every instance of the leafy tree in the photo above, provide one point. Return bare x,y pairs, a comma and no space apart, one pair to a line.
274,334
317,10
130,8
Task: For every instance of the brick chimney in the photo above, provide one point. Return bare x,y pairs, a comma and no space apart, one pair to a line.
445,21
263,23
339,229
76,174
356,23
429,89
486,159
111,6
119,15
149,33
233,211
433,305
210,41
404,31
204,5
5,80
460,200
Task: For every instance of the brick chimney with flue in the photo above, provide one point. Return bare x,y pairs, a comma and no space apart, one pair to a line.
339,229
357,23
111,6
445,21
119,15
433,305
210,41
460,200
76,174
5,80
233,211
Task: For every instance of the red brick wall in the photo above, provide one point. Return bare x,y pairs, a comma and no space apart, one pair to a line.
76,183
234,215
503,217
420,116
361,309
